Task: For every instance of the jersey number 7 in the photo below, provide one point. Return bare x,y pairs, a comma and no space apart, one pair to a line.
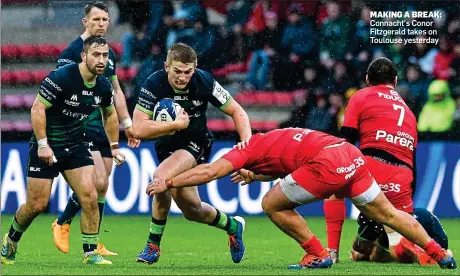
401,114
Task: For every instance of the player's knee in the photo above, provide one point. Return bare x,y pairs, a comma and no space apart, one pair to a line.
193,212
37,206
267,205
102,184
88,196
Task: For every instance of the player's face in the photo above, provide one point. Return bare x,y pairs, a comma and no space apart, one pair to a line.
96,22
179,73
96,58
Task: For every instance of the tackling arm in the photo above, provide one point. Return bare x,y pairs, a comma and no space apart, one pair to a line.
201,174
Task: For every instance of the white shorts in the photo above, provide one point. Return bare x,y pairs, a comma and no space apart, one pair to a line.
295,193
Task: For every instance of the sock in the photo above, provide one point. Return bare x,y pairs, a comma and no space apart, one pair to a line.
334,212
157,227
90,242
313,246
70,211
433,249
100,204
401,254
222,221
16,230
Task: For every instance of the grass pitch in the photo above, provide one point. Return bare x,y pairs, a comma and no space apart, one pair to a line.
192,248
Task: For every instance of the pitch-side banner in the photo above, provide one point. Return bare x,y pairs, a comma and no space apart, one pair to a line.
438,183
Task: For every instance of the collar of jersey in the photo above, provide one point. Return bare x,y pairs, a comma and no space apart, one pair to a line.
177,91
89,85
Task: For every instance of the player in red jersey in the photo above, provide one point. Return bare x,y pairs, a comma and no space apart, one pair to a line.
387,129
313,166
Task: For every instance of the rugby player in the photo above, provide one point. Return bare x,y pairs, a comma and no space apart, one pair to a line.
313,166
387,130
64,104
192,89
96,22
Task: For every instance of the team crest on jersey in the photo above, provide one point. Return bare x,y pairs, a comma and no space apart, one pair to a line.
197,103
97,100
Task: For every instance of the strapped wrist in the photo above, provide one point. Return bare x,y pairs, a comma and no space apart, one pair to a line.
127,123
42,143
114,145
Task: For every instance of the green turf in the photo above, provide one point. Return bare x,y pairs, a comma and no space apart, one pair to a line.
192,248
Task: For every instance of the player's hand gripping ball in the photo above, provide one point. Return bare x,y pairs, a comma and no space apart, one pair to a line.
166,110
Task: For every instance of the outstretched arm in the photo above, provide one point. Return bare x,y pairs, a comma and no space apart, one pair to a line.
245,177
200,174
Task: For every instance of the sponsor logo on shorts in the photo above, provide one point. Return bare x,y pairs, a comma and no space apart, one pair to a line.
193,146
401,138
34,169
351,169
390,187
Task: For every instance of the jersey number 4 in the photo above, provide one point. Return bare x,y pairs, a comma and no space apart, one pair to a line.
401,113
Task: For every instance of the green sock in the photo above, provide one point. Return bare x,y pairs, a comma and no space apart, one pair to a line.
157,227
100,204
90,242
223,221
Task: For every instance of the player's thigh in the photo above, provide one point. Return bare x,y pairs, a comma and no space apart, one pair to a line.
100,168
82,181
285,195
378,209
177,163
394,181
38,192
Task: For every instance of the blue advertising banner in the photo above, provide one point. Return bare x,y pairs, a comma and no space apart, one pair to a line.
438,183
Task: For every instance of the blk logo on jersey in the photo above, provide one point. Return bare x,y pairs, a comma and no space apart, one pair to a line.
34,169
87,93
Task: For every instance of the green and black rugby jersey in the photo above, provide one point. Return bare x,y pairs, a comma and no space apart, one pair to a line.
70,103
72,54
201,89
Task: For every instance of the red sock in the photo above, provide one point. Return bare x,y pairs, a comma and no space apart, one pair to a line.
401,254
433,249
313,246
334,212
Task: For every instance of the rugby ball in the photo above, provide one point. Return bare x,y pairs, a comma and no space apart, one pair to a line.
166,110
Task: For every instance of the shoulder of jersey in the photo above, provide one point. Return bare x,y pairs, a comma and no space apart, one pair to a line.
204,78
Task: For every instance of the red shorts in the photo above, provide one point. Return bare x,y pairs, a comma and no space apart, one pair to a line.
339,170
394,181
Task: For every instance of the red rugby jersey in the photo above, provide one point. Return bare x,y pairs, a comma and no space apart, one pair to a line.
384,121
280,152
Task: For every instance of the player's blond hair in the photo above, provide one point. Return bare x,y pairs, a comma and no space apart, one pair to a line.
181,52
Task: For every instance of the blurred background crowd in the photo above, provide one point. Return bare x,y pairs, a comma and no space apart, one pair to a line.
289,63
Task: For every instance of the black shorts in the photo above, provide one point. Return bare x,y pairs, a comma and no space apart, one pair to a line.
102,146
200,149
67,159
